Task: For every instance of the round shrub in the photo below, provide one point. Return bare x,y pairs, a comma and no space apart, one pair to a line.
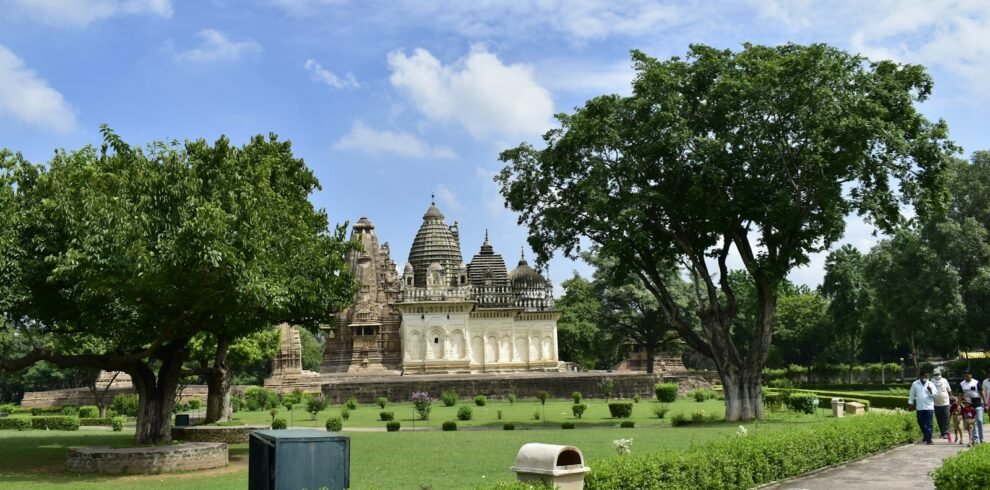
449,425
382,401
542,396
512,398
393,426
509,427
7,407
660,412
85,412
258,398
117,423
449,398
351,403
627,424
464,413
335,424
386,416
578,409
345,413
577,397
315,405
195,403
802,402
620,410
70,411
480,400
567,425
536,415
666,392
498,415
636,398
279,424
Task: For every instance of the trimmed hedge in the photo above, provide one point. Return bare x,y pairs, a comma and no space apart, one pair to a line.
578,409
89,412
967,469
335,424
666,392
94,422
15,423
464,412
278,423
567,425
7,407
752,460
627,424
871,401
802,402
449,426
55,423
117,423
620,410
386,416
393,426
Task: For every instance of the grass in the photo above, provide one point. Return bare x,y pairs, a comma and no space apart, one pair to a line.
380,460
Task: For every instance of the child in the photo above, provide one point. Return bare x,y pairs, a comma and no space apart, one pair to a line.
969,418
955,419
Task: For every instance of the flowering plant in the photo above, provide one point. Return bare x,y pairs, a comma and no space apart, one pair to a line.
422,401
622,446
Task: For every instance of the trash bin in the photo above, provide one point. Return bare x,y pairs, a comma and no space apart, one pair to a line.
182,420
855,408
837,405
294,459
561,466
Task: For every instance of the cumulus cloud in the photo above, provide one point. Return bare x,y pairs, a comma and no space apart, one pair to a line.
216,46
448,199
385,142
26,97
327,77
83,12
479,92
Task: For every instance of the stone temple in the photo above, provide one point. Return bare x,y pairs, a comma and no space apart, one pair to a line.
441,315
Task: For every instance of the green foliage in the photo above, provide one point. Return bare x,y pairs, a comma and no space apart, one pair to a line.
567,425
279,423
312,350
498,415
581,339
802,402
608,386
536,415
293,397
449,398
15,423
55,423
449,425
508,426
393,426
464,412
577,397
512,398
666,392
345,413
335,424
627,424
523,485
117,423
967,469
382,401
351,403
95,422
620,410
194,403
773,401
36,411
258,398
85,411
660,411
702,394
755,459
7,408
542,396
480,400
288,404
636,398
316,405
696,417
70,411
386,416
126,405
578,409
273,412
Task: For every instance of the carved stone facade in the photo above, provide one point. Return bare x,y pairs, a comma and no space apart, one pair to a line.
287,369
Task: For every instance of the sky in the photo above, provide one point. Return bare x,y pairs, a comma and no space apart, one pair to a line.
390,102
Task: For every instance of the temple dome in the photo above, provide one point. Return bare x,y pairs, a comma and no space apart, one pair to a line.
435,242
524,276
487,268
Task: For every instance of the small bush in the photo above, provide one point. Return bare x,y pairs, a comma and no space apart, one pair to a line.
393,426
287,403
577,396
480,400
70,411
498,415
351,403
802,402
55,422
666,392
702,394
773,401
195,403
578,409
296,396
386,416
382,401
237,403
258,398
316,405
967,469
7,408
85,412
335,424
620,410
117,423
512,398
509,427
449,426
15,423
449,398
279,423
660,412
567,425
542,396
536,415
627,424
679,419
94,422
636,398
345,413
464,413
273,412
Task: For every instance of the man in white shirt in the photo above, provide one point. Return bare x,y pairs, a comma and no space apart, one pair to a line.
942,390
922,397
971,390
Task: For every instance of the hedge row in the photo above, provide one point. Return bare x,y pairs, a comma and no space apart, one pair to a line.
95,421
784,397
967,469
55,423
892,402
15,423
752,460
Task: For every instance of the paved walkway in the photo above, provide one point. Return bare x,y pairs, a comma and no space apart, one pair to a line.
905,467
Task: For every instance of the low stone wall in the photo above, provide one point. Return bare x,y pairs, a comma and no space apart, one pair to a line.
82,396
211,433
147,460
559,385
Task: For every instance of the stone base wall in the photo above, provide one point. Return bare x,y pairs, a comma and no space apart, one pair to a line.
559,385
209,433
147,460
82,396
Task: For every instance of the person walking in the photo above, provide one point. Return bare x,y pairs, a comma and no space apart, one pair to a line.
922,397
942,391
969,419
971,391
955,419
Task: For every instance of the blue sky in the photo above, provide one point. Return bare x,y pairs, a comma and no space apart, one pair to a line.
392,101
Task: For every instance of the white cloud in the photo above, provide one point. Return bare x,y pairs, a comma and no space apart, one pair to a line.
479,92
584,77
377,142
83,12
491,198
300,8
29,99
216,46
320,74
448,199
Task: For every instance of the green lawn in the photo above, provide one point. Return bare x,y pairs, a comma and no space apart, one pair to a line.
380,460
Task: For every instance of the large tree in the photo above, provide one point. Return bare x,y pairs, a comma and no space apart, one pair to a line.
216,361
761,153
581,338
116,258
849,299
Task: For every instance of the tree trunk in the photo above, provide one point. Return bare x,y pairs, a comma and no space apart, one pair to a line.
219,383
156,397
650,359
743,400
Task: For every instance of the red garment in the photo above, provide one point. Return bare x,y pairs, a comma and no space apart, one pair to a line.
968,413
954,408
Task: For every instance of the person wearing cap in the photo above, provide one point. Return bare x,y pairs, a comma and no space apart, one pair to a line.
922,397
971,391
942,391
